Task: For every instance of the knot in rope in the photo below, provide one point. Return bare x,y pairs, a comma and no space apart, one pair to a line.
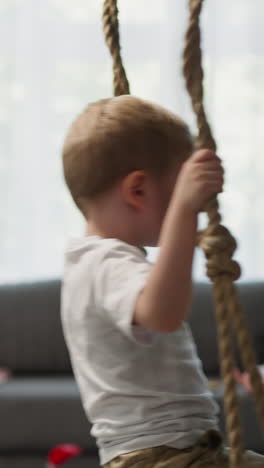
219,245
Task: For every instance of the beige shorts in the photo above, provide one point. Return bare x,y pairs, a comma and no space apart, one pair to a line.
209,452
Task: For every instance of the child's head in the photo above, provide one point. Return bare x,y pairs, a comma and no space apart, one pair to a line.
117,141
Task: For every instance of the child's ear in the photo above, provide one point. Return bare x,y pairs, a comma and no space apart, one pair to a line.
134,189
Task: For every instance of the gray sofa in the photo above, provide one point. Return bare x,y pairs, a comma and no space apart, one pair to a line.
40,406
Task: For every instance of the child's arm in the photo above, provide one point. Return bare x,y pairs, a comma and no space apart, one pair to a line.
163,303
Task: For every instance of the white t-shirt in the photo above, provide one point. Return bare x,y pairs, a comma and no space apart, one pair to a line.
139,388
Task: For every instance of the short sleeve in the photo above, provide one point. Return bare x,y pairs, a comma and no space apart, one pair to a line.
119,277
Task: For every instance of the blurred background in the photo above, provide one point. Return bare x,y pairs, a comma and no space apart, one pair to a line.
53,62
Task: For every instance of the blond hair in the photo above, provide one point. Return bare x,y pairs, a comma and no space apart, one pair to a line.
115,136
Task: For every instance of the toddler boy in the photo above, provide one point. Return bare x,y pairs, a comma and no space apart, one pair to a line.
131,170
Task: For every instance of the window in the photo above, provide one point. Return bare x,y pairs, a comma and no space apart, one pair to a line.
54,61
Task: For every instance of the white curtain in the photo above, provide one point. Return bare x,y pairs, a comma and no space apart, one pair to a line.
53,61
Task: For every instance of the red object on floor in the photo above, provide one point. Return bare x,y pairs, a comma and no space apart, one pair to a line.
62,453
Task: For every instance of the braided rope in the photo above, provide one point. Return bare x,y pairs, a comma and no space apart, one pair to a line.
219,246
111,32
231,407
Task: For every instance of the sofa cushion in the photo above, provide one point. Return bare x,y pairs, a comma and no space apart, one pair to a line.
38,413
203,323
31,338
252,299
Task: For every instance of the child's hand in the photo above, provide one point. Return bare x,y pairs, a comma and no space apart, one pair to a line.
200,178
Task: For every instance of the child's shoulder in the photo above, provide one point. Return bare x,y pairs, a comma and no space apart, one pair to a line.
97,247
